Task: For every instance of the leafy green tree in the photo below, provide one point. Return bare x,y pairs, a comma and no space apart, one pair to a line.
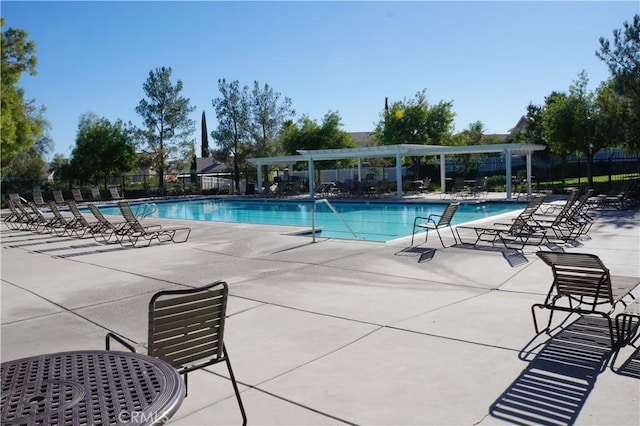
610,116
415,121
582,121
623,58
61,167
308,134
533,130
473,135
233,135
21,121
556,128
28,165
187,158
102,148
166,116
269,111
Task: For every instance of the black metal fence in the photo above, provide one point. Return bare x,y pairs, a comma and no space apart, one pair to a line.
610,172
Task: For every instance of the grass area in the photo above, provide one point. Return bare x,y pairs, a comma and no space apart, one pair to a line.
573,181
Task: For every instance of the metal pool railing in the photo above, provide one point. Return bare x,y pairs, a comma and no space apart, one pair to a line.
145,210
328,204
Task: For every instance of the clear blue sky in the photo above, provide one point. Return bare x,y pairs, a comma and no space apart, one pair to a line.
490,58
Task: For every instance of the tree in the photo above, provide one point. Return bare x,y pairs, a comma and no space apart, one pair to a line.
308,134
59,162
102,148
269,111
533,130
62,167
233,133
473,135
28,165
623,58
582,121
414,121
21,121
204,135
166,116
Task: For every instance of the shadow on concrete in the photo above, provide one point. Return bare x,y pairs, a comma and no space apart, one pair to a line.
630,367
557,382
29,242
425,253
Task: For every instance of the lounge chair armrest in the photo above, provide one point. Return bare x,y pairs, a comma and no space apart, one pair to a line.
119,339
434,215
424,221
506,225
423,218
155,226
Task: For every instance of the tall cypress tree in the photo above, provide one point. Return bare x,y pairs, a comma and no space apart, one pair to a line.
205,137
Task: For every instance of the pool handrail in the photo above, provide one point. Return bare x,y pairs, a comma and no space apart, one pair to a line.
145,210
333,209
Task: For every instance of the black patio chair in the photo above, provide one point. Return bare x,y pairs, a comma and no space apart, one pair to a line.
136,231
430,223
583,285
186,329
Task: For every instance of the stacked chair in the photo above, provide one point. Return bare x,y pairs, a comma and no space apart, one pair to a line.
539,223
518,232
130,232
570,223
627,198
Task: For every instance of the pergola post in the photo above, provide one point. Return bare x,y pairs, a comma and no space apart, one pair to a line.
507,166
529,173
259,166
398,176
443,174
312,188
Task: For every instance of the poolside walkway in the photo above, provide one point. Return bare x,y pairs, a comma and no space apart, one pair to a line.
341,332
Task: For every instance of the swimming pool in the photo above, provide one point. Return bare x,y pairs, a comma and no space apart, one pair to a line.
370,221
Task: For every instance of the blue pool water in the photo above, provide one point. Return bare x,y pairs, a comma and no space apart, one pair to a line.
370,221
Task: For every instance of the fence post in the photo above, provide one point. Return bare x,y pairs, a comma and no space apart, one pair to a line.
610,186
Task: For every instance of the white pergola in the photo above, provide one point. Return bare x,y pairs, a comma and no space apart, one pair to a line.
398,152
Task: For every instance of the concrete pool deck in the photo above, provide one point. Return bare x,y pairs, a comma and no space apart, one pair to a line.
341,332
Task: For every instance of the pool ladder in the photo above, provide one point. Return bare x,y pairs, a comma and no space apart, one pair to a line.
145,210
333,209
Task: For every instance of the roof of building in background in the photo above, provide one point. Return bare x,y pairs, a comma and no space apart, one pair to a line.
362,138
520,125
205,165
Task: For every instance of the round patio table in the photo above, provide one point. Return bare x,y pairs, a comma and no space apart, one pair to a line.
89,388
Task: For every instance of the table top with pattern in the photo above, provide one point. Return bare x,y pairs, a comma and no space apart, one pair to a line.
89,388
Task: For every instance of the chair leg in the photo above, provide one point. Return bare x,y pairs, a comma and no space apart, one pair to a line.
442,241
235,385
455,241
612,333
440,236
186,384
535,320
